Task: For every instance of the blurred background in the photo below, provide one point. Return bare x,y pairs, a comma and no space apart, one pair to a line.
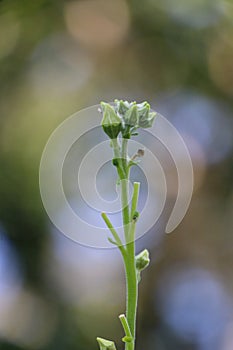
57,57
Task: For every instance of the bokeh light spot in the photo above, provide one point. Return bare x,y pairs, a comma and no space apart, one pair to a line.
97,24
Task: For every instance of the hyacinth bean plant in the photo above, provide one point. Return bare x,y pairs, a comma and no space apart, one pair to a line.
120,122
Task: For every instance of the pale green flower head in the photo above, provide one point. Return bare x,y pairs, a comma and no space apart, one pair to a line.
126,117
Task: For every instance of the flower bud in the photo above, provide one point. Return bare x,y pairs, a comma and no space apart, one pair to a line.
142,260
111,122
122,106
146,117
143,110
131,116
142,105
106,344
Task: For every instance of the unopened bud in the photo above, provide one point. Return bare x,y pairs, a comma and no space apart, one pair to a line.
131,116
122,106
106,344
142,260
111,122
146,117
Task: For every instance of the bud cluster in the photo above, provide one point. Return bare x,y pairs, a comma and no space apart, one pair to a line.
126,117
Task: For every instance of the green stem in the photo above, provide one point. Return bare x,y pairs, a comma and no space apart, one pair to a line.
114,233
125,187
134,204
129,230
117,156
128,336
131,273
125,206
130,265
123,174
124,155
132,292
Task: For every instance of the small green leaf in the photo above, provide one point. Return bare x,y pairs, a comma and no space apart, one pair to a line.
106,344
